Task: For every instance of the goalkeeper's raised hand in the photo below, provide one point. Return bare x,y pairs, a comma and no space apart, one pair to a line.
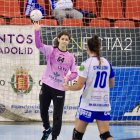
37,26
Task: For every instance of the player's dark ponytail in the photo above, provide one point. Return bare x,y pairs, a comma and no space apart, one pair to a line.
94,46
55,40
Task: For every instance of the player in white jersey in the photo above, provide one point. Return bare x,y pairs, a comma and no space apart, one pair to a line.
97,77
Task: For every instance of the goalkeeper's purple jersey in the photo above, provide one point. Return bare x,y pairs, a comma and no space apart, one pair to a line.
59,63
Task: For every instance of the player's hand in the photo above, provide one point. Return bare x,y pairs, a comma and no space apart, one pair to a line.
65,80
66,87
37,26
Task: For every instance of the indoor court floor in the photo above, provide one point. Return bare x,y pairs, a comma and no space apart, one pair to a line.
33,131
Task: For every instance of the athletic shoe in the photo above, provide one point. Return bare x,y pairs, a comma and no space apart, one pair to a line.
46,134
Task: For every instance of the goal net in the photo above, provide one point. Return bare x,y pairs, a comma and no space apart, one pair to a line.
22,64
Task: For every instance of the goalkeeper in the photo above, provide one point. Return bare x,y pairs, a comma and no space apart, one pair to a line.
96,75
59,62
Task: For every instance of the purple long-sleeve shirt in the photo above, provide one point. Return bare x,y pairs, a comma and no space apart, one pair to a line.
59,63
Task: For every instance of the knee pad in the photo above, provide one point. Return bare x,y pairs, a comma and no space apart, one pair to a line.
77,135
105,135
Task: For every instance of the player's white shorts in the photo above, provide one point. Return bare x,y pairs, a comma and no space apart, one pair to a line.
89,116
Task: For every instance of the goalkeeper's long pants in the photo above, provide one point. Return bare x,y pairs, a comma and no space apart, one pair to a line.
46,95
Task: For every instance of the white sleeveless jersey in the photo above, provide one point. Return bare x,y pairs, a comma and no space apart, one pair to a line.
95,95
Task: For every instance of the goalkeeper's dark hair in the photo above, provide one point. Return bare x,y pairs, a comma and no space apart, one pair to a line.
94,45
55,41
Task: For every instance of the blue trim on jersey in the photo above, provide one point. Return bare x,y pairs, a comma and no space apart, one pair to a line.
85,84
80,100
111,72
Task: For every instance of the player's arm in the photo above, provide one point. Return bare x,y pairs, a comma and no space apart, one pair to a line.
77,86
37,36
73,70
111,77
111,82
45,49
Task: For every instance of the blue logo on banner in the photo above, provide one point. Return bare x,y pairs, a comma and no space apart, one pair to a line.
31,5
